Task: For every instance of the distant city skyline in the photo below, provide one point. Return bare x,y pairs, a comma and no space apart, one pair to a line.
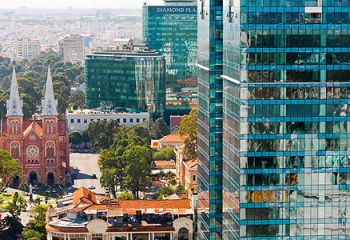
9,4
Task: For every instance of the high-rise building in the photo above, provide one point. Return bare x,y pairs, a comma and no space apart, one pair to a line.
71,48
172,30
210,119
127,80
27,48
285,133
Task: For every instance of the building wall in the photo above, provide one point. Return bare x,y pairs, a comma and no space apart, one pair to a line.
27,48
133,82
38,151
72,49
286,80
210,119
80,122
172,30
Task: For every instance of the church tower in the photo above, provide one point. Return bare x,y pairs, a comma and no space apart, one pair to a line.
14,109
50,123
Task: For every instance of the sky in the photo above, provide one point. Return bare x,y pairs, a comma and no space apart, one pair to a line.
75,3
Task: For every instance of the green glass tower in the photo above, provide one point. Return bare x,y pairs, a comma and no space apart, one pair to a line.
210,38
171,29
130,80
285,124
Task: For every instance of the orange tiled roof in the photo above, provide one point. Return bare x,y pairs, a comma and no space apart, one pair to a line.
164,164
156,204
83,193
174,137
130,206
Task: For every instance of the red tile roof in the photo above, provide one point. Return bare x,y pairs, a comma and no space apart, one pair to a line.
174,137
164,164
83,195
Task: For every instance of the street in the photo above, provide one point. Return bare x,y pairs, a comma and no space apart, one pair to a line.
85,165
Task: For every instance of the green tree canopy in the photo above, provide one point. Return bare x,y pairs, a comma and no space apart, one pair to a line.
36,226
160,128
163,192
126,196
102,133
166,153
9,168
77,100
138,169
75,138
189,128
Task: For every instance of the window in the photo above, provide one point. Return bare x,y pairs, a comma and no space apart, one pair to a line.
14,150
85,120
78,120
72,121
131,120
14,126
193,177
124,120
137,120
50,149
49,126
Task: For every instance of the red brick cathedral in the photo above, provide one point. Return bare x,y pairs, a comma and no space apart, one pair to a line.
39,144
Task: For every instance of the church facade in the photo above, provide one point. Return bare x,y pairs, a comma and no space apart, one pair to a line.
40,144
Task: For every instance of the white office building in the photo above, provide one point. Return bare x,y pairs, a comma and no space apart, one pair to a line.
79,120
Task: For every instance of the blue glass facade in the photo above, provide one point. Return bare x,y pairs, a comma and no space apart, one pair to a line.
172,30
286,96
210,57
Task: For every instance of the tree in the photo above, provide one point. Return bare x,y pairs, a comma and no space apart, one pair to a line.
29,234
138,169
166,153
77,100
36,226
75,138
16,206
126,196
160,128
112,167
9,168
163,192
10,226
189,129
142,132
102,133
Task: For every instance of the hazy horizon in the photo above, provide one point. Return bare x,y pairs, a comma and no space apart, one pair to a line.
11,4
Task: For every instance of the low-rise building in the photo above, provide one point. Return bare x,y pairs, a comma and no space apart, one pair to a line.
186,170
79,120
171,140
83,216
163,166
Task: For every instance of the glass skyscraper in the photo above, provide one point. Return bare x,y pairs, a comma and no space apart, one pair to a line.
210,57
286,79
130,80
172,30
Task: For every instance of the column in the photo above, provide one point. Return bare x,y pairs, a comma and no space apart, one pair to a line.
171,236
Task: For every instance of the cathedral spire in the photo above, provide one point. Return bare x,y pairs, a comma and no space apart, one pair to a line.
49,103
14,105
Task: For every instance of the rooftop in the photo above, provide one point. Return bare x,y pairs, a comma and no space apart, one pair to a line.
118,215
164,164
171,138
